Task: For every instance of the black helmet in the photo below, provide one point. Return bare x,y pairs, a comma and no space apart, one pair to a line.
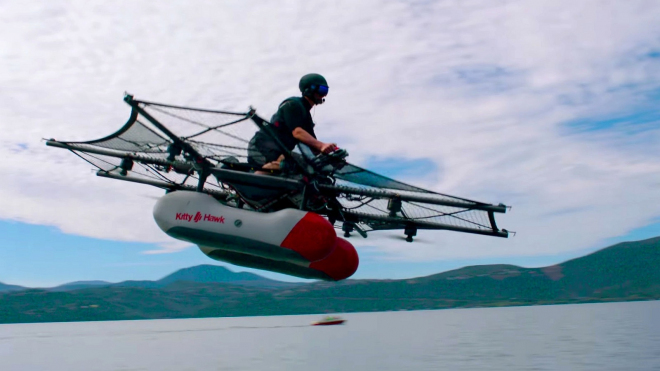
313,83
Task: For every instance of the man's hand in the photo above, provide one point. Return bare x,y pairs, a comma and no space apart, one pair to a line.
327,147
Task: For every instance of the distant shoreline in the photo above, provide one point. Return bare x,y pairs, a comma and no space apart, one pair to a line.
624,272
80,317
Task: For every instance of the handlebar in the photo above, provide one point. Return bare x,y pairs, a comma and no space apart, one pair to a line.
336,159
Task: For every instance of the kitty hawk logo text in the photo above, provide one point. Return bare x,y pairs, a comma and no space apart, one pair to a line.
199,217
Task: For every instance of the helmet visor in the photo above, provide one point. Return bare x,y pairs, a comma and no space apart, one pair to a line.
323,90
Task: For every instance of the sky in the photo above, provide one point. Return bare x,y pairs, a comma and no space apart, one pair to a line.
551,107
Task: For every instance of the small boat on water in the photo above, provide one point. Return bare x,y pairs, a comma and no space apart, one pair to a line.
329,320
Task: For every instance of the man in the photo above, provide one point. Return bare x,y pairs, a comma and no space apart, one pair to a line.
292,124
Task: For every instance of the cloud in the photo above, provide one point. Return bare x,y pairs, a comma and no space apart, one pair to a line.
488,92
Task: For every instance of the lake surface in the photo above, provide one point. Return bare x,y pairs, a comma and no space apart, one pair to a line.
613,336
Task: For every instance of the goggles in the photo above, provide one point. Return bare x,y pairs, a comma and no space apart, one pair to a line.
322,90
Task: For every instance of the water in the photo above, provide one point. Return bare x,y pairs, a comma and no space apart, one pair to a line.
616,336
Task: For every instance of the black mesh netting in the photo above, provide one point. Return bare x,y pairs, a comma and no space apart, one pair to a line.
161,132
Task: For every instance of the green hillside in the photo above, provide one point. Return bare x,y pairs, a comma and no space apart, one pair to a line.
8,288
626,271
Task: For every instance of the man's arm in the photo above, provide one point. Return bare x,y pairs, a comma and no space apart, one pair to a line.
293,116
316,145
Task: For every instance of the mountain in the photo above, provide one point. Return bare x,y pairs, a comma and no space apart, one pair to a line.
77,285
209,274
202,274
9,288
216,274
630,268
626,271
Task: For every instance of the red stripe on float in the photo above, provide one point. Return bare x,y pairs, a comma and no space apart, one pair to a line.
313,237
341,263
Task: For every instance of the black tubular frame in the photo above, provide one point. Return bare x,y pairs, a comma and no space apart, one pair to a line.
195,162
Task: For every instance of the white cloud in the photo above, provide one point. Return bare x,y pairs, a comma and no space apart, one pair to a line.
483,90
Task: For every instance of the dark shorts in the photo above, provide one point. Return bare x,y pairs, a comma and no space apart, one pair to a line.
261,152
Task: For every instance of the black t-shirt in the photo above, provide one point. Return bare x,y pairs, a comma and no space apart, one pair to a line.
292,113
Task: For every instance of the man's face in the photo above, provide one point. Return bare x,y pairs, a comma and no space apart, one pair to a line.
318,97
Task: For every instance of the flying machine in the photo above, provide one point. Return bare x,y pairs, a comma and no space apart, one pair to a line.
281,220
